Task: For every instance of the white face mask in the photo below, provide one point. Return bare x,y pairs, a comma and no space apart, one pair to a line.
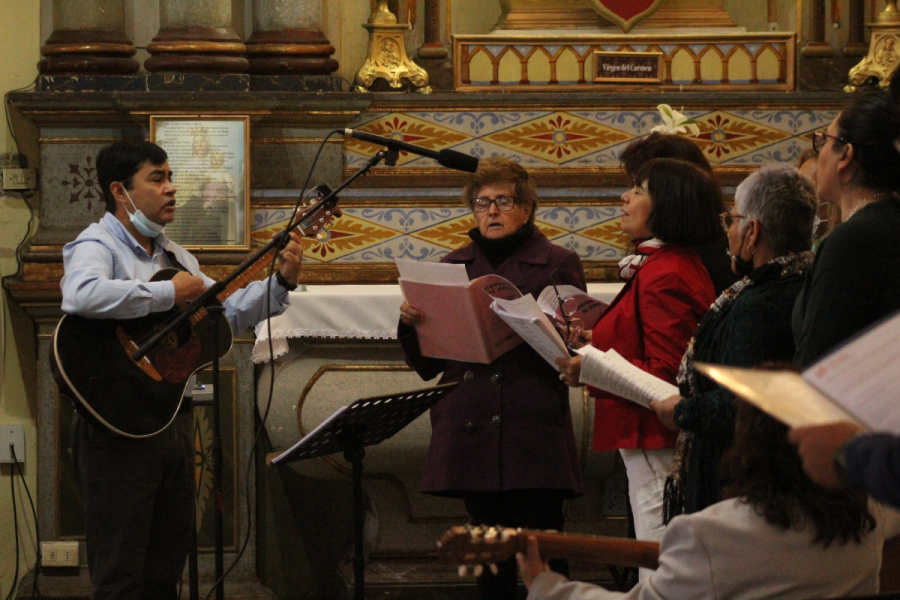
140,221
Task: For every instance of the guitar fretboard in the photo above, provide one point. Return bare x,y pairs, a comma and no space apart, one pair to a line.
240,281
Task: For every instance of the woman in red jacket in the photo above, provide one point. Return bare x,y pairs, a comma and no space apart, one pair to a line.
673,206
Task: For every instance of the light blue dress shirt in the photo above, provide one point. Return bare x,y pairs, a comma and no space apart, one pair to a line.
107,273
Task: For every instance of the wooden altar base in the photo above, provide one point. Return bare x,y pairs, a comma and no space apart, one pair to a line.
546,61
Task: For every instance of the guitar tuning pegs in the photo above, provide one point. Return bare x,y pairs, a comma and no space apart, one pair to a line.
493,568
478,570
322,235
462,570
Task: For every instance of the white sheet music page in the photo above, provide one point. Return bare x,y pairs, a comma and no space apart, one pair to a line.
861,376
785,395
432,272
527,319
610,372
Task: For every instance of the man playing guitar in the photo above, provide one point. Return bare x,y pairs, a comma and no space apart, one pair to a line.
137,491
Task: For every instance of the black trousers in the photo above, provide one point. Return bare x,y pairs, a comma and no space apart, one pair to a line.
139,508
528,509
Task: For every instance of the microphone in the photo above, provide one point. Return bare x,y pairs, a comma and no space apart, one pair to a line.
446,158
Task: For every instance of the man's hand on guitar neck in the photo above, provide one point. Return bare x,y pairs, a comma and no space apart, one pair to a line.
187,287
530,563
290,258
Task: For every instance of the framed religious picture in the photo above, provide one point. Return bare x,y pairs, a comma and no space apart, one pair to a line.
209,157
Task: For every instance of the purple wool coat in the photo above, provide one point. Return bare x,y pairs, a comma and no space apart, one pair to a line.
508,425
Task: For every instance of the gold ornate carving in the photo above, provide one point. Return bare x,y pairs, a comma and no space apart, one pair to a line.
884,50
387,58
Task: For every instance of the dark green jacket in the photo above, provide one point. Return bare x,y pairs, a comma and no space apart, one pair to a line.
756,329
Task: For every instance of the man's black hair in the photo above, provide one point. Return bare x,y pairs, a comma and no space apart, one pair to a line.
121,160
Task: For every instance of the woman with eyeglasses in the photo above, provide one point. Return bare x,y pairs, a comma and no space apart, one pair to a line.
854,281
673,207
769,231
503,440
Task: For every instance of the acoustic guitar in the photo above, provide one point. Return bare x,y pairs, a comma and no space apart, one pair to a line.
481,545
91,359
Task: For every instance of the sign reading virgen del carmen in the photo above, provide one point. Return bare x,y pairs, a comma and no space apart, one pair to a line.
628,67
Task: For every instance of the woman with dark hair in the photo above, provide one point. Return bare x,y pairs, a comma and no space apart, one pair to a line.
503,440
855,280
713,255
672,207
769,231
779,535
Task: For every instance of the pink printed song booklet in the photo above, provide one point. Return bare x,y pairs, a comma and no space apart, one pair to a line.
459,323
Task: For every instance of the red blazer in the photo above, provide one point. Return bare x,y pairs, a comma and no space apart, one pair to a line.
650,323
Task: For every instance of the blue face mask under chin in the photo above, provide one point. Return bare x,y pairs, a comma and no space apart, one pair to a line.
140,221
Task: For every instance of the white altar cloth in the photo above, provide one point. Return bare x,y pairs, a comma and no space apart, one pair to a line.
350,312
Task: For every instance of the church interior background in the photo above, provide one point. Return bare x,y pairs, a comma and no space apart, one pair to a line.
517,78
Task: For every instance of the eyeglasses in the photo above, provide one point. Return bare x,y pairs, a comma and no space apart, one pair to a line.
727,219
820,138
567,308
502,202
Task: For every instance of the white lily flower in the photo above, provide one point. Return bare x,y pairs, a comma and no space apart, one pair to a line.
675,122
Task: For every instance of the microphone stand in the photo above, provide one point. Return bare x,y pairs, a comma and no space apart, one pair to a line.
207,300
389,157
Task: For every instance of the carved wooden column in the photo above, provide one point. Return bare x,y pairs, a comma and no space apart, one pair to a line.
432,47
816,46
89,38
856,42
287,39
196,37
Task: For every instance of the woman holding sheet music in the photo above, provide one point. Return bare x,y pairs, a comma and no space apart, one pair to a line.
673,206
770,230
503,440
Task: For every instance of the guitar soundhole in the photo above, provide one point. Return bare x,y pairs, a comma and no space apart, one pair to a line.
177,338
177,363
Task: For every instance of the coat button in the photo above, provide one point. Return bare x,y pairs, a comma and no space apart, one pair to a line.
495,378
470,427
469,376
495,421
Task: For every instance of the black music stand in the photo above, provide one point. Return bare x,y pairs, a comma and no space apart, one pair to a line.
366,422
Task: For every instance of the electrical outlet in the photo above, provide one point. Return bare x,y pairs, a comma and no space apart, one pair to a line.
59,554
12,435
19,179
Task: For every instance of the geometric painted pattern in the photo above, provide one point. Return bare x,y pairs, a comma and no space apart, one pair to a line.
545,140
724,136
405,128
367,235
558,137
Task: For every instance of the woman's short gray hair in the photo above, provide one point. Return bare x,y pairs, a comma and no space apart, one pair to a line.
784,202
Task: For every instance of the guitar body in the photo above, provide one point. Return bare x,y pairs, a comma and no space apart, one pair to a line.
91,362
91,358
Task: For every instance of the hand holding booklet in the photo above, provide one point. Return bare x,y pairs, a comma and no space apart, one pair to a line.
459,324
482,319
610,372
855,383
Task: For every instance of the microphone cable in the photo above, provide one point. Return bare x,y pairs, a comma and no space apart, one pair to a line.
265,415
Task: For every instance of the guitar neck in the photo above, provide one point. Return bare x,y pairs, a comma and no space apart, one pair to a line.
238,282
606,550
